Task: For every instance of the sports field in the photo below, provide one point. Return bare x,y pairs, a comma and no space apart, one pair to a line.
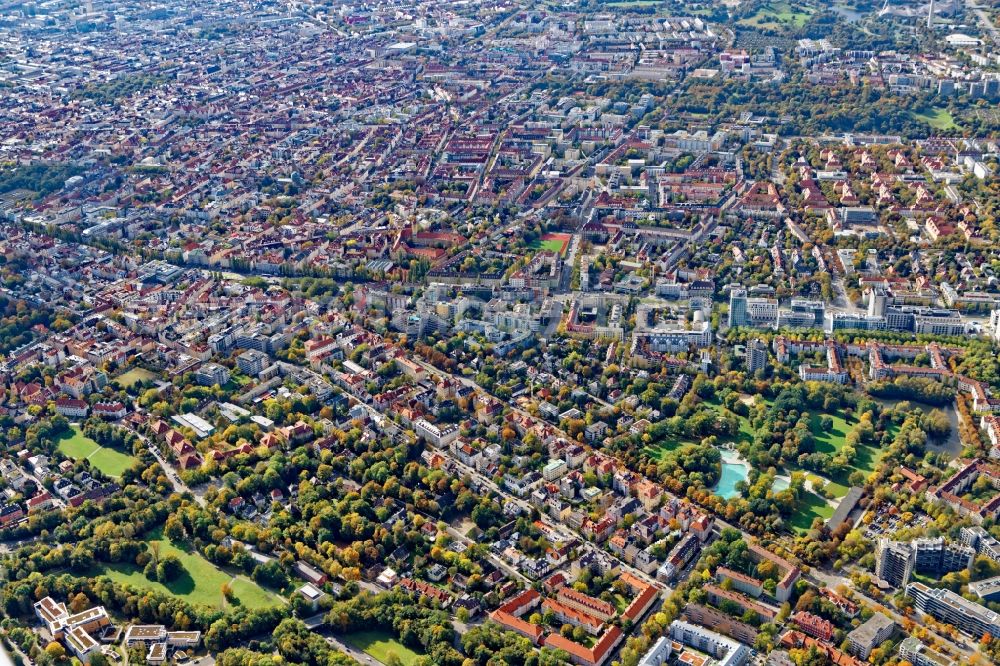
558,243
134,376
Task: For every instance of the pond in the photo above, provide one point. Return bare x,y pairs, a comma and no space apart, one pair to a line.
951,446
850,15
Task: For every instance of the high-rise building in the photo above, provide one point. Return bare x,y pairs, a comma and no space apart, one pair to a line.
877,301
894,563
897,561
995,324
738,308
756,355
935,556
982,541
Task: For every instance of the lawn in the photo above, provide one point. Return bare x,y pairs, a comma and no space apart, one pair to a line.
831,442
80,447
659,450
836,489
813,506
937,117
625,4
380,645
746,432
134,376
201,583
778,15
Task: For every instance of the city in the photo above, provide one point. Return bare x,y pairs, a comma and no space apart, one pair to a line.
407,333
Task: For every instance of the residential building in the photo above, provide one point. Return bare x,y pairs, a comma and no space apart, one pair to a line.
756,355
918,654
725,650
946,606
894,562
211,374
875,631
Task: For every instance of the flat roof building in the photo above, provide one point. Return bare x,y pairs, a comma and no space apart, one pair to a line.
946,606
878,629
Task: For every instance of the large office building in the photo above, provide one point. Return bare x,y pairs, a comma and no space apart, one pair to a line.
763,312
839,321
802,313
882,314
756,312
954,609
738,308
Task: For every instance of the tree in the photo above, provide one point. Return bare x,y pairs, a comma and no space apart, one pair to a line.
79,603
55,651
169,568
174,529
81,559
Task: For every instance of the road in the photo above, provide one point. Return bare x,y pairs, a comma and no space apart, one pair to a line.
357,655
841,300
826,579
984,20
179,486
816,577
559,528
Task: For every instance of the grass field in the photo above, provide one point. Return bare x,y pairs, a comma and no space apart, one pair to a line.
201,583
659,450
80,447
813,506
831,442
776,15
557,243
746,432
129,379
380,645
937,117
834,488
